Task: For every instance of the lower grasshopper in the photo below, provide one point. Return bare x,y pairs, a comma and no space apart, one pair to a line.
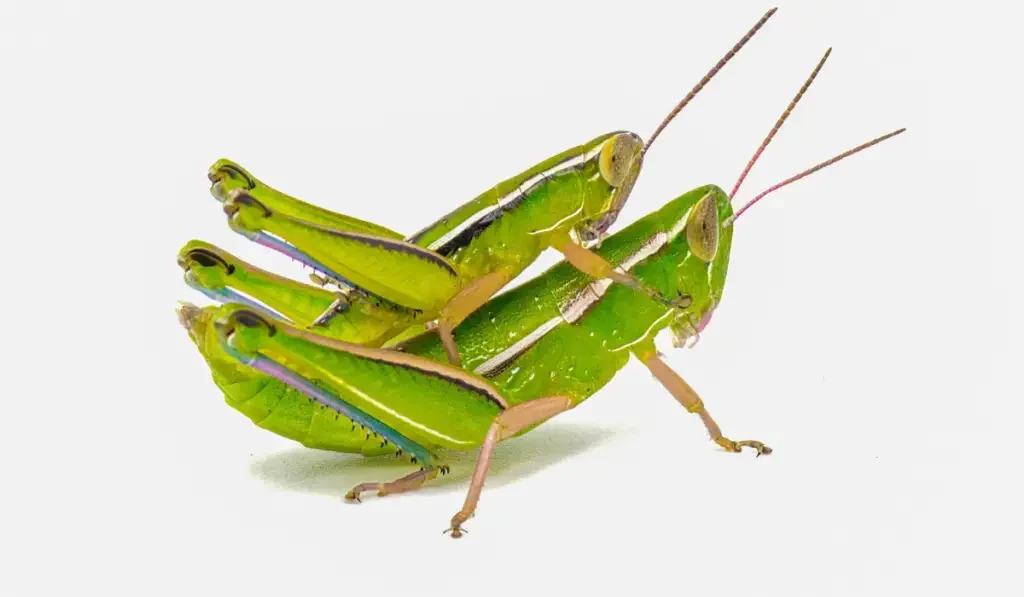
534,352
450,268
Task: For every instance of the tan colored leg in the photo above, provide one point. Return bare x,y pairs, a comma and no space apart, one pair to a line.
692,402
595,266
406,483
507,424
463,304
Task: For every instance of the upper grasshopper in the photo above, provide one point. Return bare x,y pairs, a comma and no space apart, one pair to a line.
451,267
531,353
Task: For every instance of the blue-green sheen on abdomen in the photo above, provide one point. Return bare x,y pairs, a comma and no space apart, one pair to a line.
421,405
291,414
278,408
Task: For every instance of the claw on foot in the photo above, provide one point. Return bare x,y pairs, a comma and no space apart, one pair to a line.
681,302
355,492
456,529
731,446
456,532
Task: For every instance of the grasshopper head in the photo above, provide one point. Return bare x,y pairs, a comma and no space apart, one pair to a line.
205,265
619,158
226,176
702,237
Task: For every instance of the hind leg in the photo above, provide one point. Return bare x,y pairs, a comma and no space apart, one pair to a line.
409,482
507,424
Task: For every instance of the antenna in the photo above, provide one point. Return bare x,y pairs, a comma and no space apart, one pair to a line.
711,73
778,123
810,171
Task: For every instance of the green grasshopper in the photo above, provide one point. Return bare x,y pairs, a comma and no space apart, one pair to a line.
450,268
531,353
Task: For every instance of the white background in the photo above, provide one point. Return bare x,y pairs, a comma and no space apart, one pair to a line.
869,331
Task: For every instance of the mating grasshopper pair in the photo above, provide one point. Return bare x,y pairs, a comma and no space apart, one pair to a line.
527,355
452,267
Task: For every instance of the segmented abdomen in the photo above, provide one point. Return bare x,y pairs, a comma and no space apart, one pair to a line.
285,411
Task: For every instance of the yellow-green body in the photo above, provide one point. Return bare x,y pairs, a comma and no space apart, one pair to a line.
227,176
272,404
502,230
579,351
226,278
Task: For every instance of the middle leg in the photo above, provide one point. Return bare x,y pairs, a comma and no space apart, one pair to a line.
407,483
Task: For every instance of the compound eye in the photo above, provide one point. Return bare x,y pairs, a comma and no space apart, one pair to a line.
617,157
702,229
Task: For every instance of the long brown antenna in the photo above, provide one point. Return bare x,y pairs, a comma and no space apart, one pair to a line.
707,77
778,123
810,171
